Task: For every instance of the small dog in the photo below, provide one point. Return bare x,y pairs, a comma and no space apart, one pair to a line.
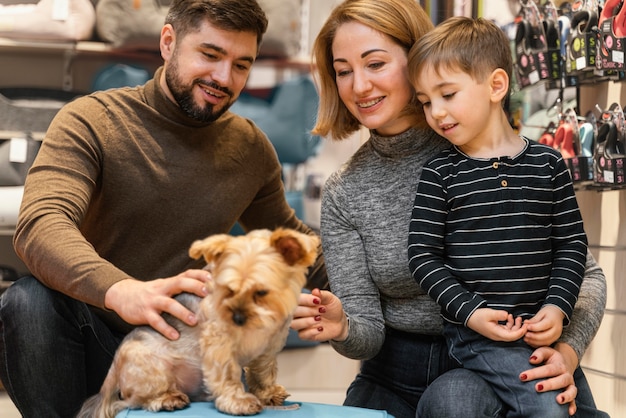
242,325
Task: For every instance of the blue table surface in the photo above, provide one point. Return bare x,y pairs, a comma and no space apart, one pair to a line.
290,410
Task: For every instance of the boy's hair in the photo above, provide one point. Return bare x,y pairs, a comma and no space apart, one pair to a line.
474,46
403,21
186,16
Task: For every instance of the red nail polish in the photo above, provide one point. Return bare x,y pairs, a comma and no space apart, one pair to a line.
320,329
540,387
316,301
318,318
322,309
523,376
533,358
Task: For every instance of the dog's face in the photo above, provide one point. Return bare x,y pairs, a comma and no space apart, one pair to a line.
257,277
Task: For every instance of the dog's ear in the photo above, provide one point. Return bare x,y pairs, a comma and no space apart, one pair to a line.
210,247
295,247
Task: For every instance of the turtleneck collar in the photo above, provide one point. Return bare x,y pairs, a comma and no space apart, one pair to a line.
156,98
407,142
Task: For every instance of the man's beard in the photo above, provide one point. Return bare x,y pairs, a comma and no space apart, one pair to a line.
184,96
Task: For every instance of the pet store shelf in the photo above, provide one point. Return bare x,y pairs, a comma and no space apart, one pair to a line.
68,66
598,187
72,66
87,47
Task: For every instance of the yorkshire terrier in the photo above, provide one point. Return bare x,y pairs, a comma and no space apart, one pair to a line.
242,325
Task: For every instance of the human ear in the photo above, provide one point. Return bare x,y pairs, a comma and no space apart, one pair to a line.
499,82
167,41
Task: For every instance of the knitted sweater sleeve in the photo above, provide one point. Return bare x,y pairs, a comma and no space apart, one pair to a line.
56,198
589,309
348,275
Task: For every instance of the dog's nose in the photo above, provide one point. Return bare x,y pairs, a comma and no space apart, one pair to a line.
239,318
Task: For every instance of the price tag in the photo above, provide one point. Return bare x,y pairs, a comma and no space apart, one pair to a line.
60,10
18,150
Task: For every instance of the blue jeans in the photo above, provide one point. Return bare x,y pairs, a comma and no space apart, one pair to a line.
54,351
413,376
448,397
500,364
400,374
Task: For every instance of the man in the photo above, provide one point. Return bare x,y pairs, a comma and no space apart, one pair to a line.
125,180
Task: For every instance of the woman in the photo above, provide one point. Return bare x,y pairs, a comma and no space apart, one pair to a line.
377,313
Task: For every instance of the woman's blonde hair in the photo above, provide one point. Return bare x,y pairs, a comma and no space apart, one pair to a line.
403,21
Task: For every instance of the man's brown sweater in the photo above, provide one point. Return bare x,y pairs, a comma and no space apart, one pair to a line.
125,181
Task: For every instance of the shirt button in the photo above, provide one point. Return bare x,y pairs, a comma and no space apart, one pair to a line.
504,183
495,165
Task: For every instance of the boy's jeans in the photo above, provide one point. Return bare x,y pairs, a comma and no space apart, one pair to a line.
500,364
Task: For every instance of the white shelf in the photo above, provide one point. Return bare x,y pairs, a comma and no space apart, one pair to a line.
78,47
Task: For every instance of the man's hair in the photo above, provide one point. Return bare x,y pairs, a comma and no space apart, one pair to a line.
403,21
475,46
234,15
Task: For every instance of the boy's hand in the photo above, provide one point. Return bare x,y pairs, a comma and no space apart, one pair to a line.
488,323
545,327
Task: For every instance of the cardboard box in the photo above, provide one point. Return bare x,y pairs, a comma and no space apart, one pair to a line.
580,168
609,171
610,48
581,53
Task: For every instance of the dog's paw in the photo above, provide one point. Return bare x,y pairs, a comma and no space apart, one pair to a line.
241,404
168,402
273,395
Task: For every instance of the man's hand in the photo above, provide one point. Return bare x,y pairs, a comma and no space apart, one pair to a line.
142,303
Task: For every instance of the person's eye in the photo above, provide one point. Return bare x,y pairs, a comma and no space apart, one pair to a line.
343,73
376,65
449,96
242,67
423,101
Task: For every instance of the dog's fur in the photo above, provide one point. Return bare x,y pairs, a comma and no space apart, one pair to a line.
242,324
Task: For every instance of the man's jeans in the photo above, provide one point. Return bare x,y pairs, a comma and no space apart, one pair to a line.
54,352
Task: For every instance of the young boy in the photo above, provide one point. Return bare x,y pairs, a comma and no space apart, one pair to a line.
496,236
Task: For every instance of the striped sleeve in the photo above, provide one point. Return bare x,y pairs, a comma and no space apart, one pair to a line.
502,233
569,244
426,250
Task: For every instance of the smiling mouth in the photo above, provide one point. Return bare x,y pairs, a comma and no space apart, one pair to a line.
213,93
213,89
369,103
447,126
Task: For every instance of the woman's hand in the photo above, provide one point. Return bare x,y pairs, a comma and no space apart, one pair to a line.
142,303
557,367
320,317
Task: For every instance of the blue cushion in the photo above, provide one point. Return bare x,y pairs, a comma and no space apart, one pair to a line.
294,199
120,75
286,118
305,410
